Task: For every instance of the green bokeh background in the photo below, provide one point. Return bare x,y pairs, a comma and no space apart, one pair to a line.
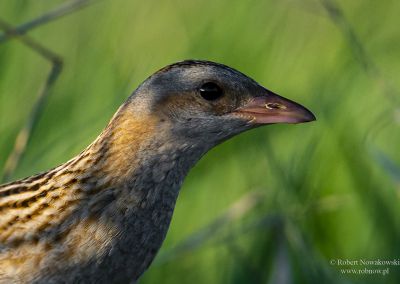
330,189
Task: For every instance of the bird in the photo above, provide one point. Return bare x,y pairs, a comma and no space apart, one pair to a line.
102,216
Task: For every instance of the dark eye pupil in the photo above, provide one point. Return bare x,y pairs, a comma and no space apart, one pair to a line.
210,91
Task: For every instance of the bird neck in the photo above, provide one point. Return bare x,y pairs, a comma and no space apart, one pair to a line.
133,173
138,155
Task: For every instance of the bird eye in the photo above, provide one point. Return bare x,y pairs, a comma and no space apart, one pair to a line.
210,91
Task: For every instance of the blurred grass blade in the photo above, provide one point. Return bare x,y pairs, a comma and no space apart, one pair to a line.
336,14
282,272
24,134
65,9
234,212
387,164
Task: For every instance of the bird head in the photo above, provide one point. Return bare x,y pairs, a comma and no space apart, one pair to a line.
210,102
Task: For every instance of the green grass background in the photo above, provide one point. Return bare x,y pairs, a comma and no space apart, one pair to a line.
331,188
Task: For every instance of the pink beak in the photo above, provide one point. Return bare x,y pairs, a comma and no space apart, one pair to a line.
272,108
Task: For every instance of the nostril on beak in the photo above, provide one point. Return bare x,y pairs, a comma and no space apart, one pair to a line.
274,106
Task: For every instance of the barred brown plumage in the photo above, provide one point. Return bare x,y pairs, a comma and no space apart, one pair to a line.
102,216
